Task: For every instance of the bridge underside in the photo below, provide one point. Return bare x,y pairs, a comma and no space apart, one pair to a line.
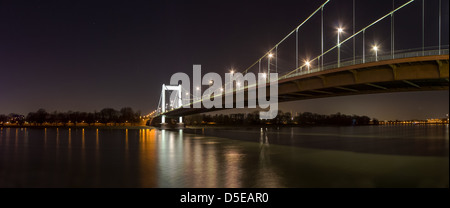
401,75
369,88
411,74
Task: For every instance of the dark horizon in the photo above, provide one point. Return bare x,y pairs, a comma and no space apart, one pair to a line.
86,56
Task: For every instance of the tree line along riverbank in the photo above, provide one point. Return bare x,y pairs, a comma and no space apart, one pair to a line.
106,117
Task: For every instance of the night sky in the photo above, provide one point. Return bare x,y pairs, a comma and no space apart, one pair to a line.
88,55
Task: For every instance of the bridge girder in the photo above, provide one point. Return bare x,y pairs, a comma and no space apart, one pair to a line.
400,75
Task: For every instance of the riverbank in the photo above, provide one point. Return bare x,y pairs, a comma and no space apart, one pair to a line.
80,126
140,126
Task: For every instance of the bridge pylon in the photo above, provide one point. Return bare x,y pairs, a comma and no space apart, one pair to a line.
175,103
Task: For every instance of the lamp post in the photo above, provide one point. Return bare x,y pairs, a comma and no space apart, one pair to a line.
340,30
375,48
308,64
210,84
268,66
231,81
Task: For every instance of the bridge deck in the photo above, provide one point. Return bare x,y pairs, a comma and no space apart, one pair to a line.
398,75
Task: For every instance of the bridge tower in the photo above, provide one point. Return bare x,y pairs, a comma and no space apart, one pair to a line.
175,103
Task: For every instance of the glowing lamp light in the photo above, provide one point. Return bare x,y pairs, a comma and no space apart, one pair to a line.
375,48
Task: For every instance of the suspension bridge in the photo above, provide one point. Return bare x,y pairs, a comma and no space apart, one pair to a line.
368,70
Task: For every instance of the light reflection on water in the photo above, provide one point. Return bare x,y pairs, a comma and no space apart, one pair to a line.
90,157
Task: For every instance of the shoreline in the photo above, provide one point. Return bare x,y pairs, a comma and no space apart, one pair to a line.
79,127
206,126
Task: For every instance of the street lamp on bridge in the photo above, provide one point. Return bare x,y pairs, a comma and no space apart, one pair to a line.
231,80
268,65
308,64
340,30
375,48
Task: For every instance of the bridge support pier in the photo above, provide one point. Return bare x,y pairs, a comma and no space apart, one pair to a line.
163,119
180,124
164,126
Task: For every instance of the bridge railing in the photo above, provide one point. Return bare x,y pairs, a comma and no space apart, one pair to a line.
368,59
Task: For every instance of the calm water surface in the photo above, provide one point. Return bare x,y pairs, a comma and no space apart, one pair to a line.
372,156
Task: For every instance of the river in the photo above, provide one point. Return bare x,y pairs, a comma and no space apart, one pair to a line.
300,157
